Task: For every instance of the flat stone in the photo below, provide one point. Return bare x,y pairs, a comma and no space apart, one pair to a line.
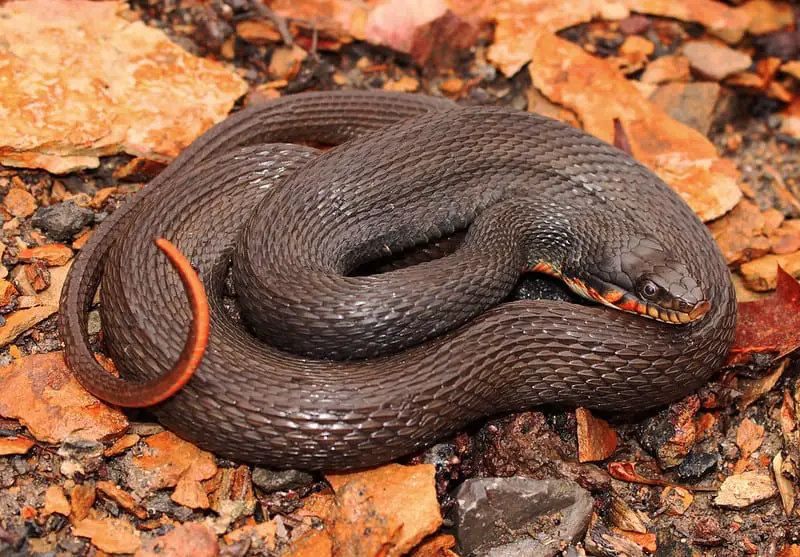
519,516
696,465
62,220
695,104
280,480
716,61
742,490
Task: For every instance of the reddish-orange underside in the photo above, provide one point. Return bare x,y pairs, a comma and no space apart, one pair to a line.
196,343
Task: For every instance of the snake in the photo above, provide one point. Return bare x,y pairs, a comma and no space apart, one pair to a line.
311,365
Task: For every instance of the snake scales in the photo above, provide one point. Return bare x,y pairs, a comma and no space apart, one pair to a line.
533,193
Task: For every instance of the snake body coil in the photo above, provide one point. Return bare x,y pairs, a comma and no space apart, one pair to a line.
534,193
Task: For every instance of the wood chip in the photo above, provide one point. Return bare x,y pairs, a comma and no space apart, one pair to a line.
785,485
597,440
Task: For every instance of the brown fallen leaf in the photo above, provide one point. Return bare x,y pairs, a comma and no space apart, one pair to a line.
749,437
439,42
597,440
42,393
82,498
55,501
761,274
626,471
770,328
626,518
21,321
740,234
767,16
397,503
168,458
122,498
191,539
681,156
190,493
139,92
20,203
52,254
120,445
112,535
15,445
676,500
646,541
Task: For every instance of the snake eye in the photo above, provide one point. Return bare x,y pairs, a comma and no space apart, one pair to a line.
648,289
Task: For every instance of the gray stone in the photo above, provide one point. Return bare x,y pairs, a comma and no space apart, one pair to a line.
508,517
63,220
280,480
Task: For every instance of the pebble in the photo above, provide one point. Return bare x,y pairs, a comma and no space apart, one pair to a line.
715,61
670,434
489,511
698,105
63,220
280,480
696,465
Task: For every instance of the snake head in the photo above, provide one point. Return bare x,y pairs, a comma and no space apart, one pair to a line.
643,278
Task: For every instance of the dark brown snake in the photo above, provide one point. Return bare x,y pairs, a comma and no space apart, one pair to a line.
533,193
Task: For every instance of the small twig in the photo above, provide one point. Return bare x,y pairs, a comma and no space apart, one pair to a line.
314,40
280,22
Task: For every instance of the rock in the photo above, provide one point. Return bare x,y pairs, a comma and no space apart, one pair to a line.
81,456
698,105
696,465
745,489
62,220
670,434
19,202
715,61
665,69
762,274
546,512
635,24
280,480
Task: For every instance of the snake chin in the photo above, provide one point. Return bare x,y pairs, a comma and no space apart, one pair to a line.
652,298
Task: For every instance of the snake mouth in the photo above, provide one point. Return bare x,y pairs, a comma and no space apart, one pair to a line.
632,304
612,296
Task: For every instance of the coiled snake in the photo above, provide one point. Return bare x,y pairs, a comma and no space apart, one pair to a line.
534,194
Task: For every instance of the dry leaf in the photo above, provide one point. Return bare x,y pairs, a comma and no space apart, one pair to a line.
83,82
43,394
770,328
599,94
